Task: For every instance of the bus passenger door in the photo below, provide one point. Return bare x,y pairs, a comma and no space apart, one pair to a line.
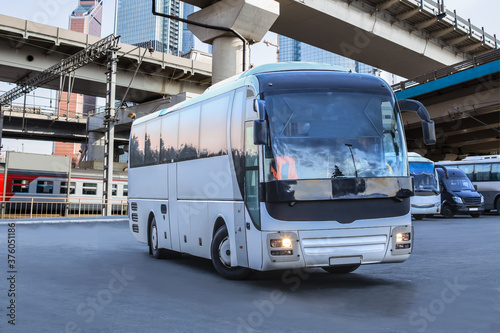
251,198
173,224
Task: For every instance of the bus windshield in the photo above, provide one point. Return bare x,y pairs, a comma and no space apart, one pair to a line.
334,133
424,176
457,184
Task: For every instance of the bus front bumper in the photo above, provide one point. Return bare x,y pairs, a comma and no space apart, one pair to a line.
322,248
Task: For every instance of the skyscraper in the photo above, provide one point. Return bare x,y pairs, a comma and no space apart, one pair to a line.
187,35
86,18
136,24
293,50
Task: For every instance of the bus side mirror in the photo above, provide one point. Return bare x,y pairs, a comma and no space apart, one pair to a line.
259,106
428,128
259,132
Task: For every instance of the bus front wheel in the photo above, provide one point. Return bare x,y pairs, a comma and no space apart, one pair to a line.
156,251
344,269
447,212
221,257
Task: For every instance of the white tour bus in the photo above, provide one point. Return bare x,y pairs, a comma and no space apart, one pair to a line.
286,165
484,173
427,198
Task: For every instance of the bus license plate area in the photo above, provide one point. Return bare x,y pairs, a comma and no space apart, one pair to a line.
338,261
474,209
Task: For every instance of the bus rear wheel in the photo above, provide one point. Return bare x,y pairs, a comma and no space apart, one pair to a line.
156,251
221,257
344,269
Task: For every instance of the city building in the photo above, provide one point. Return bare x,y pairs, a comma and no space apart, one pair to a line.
137,25
293,50
86,18
187,35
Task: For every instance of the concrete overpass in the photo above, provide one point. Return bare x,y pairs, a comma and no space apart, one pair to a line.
404,37
27,48
464,102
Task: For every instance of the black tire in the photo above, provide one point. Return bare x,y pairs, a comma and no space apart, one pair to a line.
476,215
419,217
447,212
221,257
497,206
344,269
157,252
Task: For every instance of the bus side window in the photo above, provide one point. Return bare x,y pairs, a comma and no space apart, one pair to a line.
495,171
482,171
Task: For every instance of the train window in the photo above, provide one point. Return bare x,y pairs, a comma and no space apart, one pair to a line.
114,190
64,188
125,190
89,189
20,185
44,186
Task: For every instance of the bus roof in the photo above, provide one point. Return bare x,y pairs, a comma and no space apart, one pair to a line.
236,81
415,157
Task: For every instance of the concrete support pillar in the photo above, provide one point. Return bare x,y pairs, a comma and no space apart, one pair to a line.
249,18
95,147
227,58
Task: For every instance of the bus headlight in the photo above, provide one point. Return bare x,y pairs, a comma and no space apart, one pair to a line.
458,200
482,198
284,242
402,237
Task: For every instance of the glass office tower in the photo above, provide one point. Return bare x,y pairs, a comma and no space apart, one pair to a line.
293,50
136,24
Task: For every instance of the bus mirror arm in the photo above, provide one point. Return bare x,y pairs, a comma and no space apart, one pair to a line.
428,128
259,132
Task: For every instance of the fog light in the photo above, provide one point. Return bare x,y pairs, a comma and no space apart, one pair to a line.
402,246
282,253
402,237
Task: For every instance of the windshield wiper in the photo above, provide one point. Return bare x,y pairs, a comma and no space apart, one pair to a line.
353,162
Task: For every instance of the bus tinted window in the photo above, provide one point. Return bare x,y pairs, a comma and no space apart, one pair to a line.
482,172
189,133
213,130
495,171
168,140
137,146
468,169
152,143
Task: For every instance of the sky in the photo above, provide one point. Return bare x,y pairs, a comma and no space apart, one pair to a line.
482,13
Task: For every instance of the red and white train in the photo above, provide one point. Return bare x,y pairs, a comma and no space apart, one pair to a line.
44,191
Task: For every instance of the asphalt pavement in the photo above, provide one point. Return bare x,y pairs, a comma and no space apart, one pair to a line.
95,277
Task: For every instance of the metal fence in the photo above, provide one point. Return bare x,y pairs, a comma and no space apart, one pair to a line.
35,207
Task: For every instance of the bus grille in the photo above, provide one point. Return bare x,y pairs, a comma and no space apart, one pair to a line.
472,201
135,228
133,206
135,217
